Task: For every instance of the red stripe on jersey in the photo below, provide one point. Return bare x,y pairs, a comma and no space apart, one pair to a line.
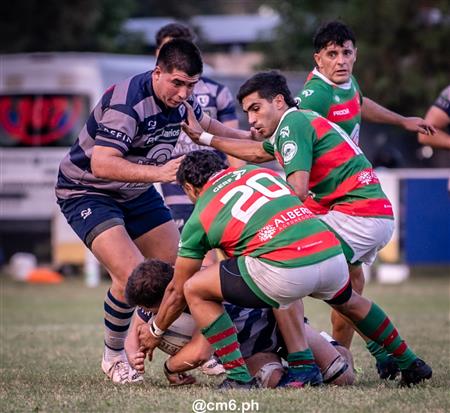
321,126
301,362
344,111
330,160
366,207
211,210
314,206
277,224
233,230
223,334
302,248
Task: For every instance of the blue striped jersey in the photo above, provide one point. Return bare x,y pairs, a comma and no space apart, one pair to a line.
130,118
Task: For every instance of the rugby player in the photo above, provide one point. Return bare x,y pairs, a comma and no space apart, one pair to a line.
278,253
105,183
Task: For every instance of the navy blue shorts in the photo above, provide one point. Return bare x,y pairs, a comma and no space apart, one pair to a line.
90,215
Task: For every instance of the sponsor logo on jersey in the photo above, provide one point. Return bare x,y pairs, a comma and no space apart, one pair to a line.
285,132
337,99
115,133
266,233
307,92
203,100
288,151
367,177
151,124
341,112
182,110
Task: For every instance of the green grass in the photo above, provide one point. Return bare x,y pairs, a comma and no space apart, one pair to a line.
51,345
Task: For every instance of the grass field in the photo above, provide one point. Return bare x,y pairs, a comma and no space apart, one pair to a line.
51,344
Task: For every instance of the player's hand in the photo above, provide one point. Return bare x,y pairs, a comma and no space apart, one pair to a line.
255,135
137,360
178,379
147,341
168,171
191,127
419,125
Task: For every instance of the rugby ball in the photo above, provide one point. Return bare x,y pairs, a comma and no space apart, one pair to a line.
177,335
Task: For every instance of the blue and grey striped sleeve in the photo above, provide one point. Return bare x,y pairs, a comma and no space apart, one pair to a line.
117,127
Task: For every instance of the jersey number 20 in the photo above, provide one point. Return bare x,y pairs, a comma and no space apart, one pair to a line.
252,186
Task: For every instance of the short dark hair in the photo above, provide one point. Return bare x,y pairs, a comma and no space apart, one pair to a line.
198,166
174,31
180,54
334,32
268,85
147,283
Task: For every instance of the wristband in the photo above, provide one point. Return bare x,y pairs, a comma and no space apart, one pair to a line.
155,330
167,370
205,138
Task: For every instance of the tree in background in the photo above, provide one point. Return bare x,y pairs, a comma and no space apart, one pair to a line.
64,25
401,45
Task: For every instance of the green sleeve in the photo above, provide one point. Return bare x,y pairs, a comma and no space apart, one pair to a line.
294,143
316,96
268,147
194,242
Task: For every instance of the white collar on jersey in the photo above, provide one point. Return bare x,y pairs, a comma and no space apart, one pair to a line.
346,85
272,138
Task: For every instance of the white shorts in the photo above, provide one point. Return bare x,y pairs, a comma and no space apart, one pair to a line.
322,280
365,236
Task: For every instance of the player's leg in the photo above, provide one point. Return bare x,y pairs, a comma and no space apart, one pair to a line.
361,238
336,368
119,255
302,367
373,322
267,368
99,222
203,295
343,331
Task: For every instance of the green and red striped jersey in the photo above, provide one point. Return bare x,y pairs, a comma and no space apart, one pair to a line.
252,211
341,177
340,104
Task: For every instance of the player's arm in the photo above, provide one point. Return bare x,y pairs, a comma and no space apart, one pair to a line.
108,163
440,120
299,180
135,356
232,160
245,149
192,355
373,112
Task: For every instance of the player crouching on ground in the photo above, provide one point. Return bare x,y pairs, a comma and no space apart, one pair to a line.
261,344
279,252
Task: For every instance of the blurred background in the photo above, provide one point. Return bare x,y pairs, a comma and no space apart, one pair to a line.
57,57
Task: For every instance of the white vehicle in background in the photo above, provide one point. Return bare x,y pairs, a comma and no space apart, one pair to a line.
45,99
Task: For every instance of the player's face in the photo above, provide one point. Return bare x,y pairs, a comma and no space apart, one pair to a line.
262,115
173,88
336,62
